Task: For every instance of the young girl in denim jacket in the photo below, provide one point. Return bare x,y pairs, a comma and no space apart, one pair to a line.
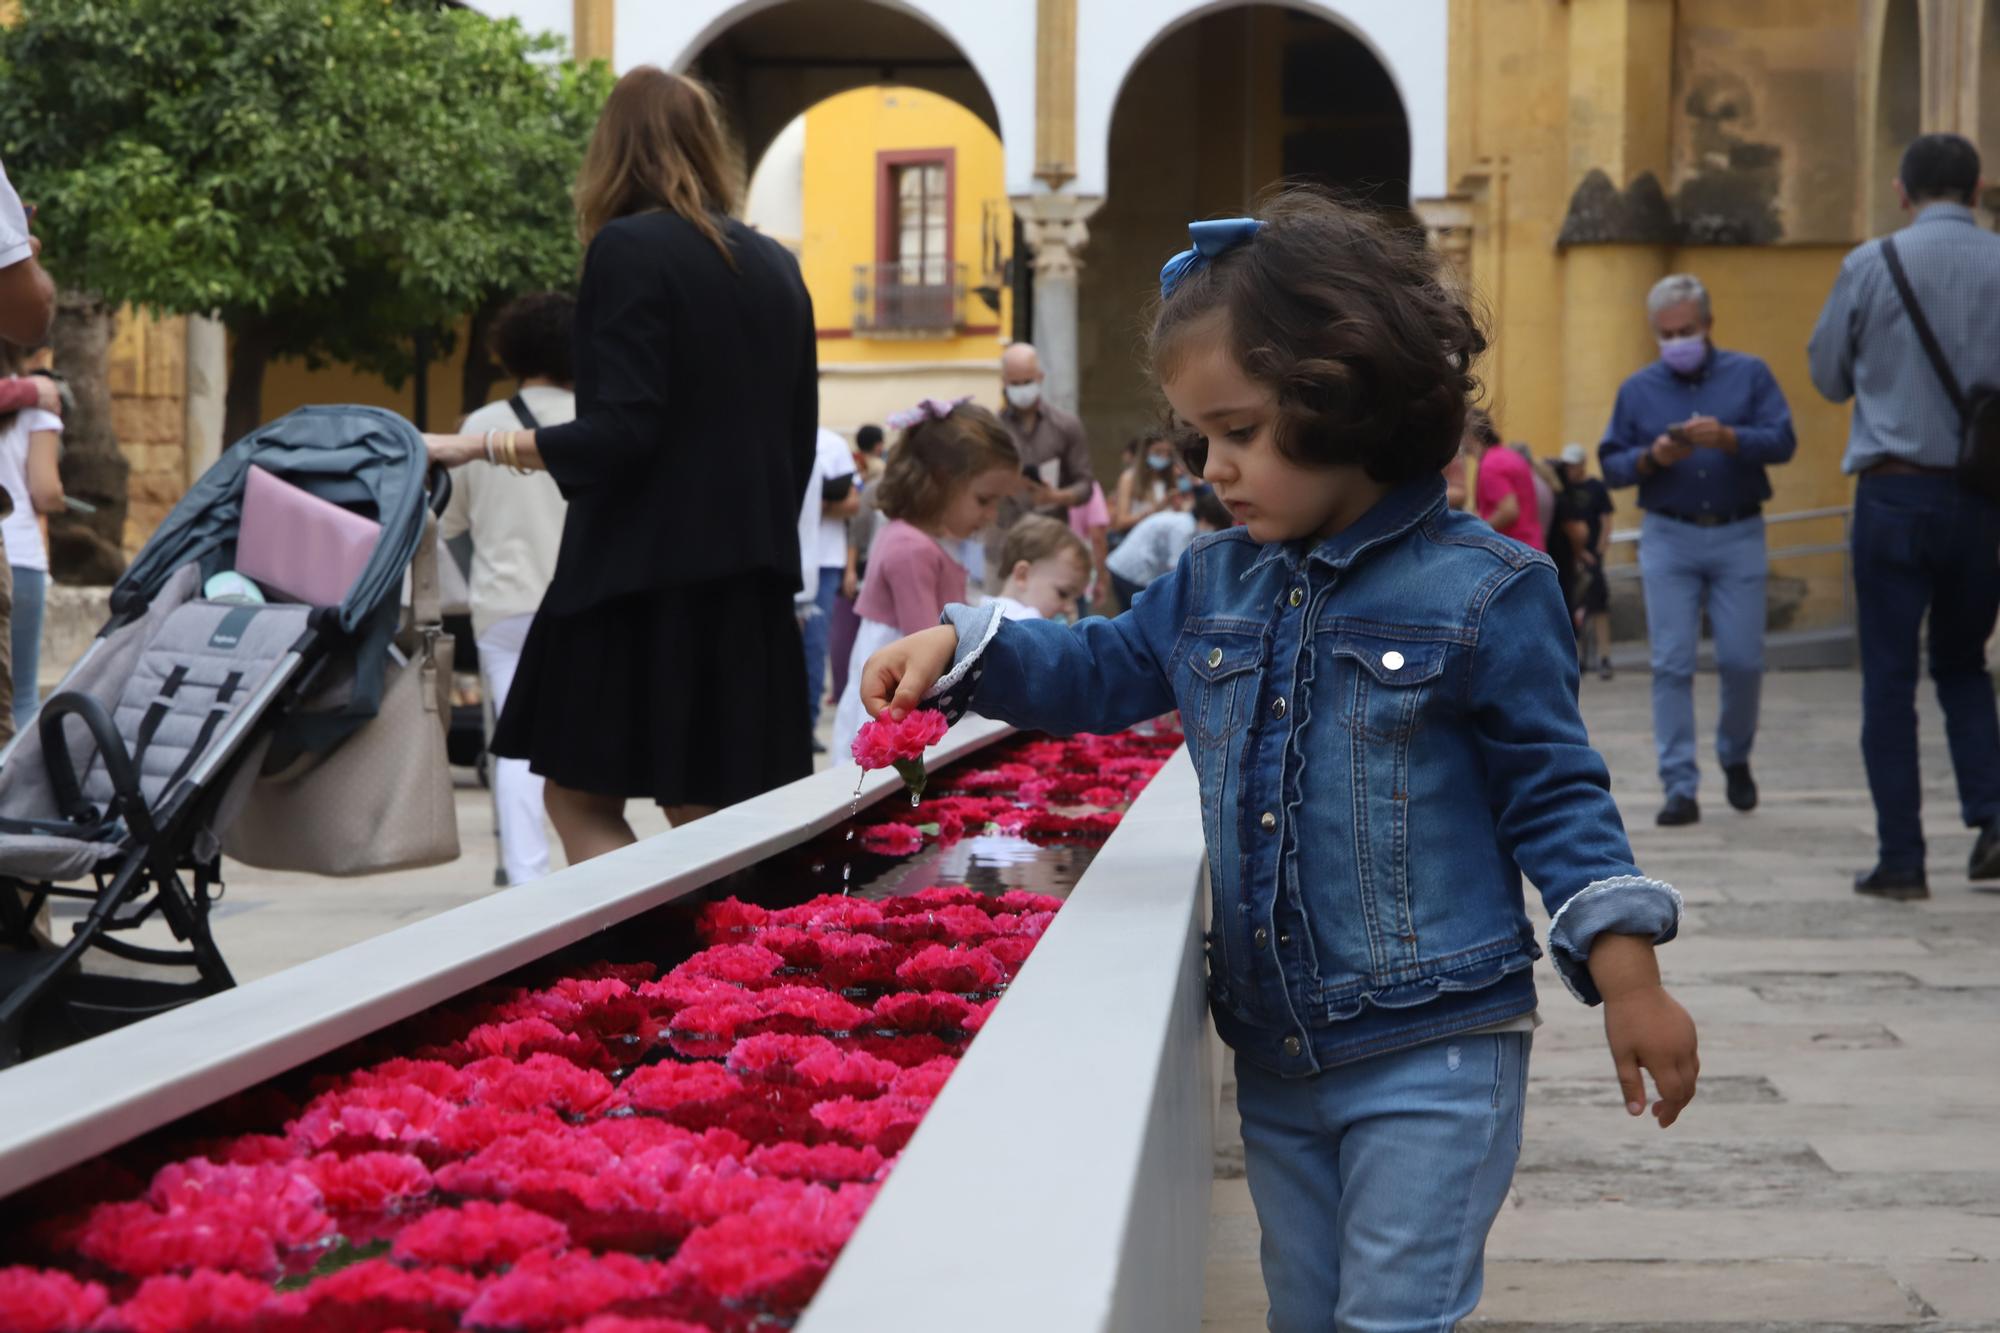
1379,695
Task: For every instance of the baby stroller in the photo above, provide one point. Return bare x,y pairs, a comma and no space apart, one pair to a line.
120,791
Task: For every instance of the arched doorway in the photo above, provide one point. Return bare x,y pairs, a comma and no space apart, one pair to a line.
1216,111
1898,111
773,63
894,199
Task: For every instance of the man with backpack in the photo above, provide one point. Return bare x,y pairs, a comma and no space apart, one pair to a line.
1909,333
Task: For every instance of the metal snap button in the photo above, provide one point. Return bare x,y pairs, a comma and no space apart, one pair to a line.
1392,660
1292,1046
1260,937
1268,822
1284,937
1277,708
1297,596
1214,658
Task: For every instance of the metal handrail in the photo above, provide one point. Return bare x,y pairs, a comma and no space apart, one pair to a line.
1843,548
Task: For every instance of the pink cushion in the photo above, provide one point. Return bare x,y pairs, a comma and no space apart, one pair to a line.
297,545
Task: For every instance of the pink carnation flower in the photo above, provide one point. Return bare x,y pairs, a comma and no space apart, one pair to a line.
205,1300
548,1292
749,965
963,971
34,1301
827,1163
927,1080
618,1323
884,1123
376,1293
892,839
886,741
367,1182
542,1080
921,1011
479,1235
370,1117
667,1089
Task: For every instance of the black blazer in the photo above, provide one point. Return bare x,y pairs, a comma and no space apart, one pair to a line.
697,404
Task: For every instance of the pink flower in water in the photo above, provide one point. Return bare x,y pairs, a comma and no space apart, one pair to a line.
206,1300
367,1182
885,741
921,1011
542,1080
548,1292
828,1163
378,1294
962,971
618,1323
39,1302
479,1235
884,1123
892,839
379,1116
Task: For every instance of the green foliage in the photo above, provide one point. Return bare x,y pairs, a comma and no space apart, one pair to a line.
332,176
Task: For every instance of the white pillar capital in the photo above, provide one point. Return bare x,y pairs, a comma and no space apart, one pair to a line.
1056,229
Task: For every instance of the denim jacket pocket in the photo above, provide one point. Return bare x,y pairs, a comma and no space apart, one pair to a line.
1223,690
1386,681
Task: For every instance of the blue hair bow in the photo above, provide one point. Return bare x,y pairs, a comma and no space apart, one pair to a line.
1210,239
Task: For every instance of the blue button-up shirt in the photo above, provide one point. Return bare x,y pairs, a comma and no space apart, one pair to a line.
1736,389
1865,348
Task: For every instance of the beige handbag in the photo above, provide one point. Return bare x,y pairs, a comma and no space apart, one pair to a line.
382,799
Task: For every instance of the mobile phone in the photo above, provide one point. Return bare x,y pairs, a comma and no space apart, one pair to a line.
1678,433
76,506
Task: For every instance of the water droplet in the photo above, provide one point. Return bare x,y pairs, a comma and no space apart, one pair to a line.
914,798
850,835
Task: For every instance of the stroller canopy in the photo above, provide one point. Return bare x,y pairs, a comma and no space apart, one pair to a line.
363,458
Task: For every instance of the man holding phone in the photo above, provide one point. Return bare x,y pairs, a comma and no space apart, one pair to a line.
1695,432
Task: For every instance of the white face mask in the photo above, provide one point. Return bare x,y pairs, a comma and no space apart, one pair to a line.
1023,396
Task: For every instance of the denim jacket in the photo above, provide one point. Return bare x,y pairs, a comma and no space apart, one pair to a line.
1386,732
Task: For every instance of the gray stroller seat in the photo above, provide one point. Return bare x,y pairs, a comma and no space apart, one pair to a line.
117,778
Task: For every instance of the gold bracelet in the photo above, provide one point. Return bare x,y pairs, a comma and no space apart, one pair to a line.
514,448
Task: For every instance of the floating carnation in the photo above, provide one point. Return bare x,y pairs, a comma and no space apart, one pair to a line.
1012,951
925,1080
831,911
920,1011
815,1006
739,1263
721,921
519,1038
932,899
858,961
1102,796
367,1182
885,1123
951,925
980,1013
545,1292
376,1293
892,839
203,1300
541,1080
670,1089
378,1116
799,948
252,1150
748,965
35,1301
470,1128
618,1323
478,1235
962,970
828,1163
1021,900
907,1051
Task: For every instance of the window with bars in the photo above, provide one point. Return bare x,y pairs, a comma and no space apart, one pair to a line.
920,201
916,285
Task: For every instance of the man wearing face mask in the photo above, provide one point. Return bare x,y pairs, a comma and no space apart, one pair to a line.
1695,431
1055,454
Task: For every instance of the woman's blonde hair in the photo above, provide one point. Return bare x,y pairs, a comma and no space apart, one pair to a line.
1037,538
659,145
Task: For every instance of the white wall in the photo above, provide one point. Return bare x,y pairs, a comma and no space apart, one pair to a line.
556,16
776,203
1407,36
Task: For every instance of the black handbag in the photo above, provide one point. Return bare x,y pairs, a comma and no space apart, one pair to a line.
1978,413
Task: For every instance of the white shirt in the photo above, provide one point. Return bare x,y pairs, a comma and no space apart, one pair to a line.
21,529
1013,610
1153,547
516,522
14,245
822,540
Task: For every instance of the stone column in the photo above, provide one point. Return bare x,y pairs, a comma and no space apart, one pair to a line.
1056,231
207,380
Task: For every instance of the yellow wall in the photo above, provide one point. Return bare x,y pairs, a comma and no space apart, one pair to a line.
843,136
288,385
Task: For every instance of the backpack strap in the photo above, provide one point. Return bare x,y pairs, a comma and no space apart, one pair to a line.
1923,329
521,412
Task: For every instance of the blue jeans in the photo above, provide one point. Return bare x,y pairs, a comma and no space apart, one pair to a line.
817,625
1687,570
31,591
1921,543
1376,1182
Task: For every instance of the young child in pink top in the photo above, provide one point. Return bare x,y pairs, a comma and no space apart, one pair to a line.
945,479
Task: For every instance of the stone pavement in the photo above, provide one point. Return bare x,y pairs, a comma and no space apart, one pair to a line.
1840,1168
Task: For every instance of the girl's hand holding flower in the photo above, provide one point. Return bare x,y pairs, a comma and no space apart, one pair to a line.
895,680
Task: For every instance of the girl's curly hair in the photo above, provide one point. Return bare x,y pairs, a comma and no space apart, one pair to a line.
933,458
1351,321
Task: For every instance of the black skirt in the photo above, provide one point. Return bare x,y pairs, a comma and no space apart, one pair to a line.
685,696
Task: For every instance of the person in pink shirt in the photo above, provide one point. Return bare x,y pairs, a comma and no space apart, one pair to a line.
944,482
1504,492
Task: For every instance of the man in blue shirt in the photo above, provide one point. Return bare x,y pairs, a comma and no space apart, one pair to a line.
1695,431
1922,542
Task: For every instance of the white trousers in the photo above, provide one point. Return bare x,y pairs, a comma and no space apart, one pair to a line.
517,793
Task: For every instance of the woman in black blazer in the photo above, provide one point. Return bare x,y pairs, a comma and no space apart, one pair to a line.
665,660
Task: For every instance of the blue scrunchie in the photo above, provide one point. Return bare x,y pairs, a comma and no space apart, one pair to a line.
1210,239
